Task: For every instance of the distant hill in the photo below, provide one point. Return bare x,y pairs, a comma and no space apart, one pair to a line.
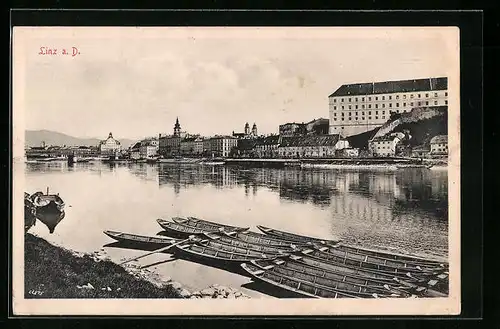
36,137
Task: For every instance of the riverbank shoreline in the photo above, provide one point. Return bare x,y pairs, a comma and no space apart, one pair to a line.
53,271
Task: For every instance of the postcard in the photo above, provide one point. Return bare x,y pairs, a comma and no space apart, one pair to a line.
236,171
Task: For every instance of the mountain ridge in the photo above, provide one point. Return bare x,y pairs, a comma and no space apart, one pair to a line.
36,137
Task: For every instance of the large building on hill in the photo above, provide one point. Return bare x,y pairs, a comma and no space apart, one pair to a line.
357,108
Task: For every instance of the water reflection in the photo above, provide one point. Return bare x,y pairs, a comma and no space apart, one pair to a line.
404,209
347,193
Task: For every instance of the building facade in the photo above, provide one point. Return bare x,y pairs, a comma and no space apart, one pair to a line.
109,146
383,146
267,147
318,127
222,146
360,107
311,146
439,145
292,129
247,133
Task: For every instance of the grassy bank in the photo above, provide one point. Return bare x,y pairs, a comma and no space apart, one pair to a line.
53,272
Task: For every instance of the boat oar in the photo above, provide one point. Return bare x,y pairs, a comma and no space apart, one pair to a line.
158,250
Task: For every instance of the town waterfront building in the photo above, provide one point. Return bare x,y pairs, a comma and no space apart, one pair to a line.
311,146
314,127
109,146
221,146
267,147
360,107
384,146
439,145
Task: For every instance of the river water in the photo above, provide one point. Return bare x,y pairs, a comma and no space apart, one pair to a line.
404,210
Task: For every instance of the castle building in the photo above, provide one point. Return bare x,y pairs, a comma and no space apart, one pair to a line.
360,107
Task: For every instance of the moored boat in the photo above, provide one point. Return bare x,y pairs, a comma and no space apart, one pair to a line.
344,258
183,231
296,286
353,249
330,280
140,239
47,202
228,239
205,224
294,237
259,238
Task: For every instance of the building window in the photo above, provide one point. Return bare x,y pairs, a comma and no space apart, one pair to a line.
390,104
334,114
383,98
426,102
435,102
343,113
362,99
376,106
356,107
363,113
349,113
397,111
390,97
376,98
356,118
369,98
362,118
404,104
363,106
349,99
335,100
369,106
376,118
369,118
376,112
350,107
404,96
342,100
427,95
411,96
334,107
435,94
356,112
369,112
411,104
418,95
383,105
397,104
356,99
419,103
446,102
342,119
343,107
383,117
383,112
350,118
446,93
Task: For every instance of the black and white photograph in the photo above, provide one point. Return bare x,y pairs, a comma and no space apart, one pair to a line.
245,170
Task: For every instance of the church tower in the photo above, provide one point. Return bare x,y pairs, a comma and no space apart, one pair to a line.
177,128
254,129
247,129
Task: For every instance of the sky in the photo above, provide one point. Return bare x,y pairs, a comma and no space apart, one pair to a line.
134,82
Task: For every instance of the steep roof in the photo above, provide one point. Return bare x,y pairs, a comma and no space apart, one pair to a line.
325,140
439,139
384,138
400,86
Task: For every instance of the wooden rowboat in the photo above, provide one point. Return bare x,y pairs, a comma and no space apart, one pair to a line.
207,253
343,283
229,240
205,224
290,264
363,262
375,260
298,287
259,238
184,231
351,249
294,237
140,239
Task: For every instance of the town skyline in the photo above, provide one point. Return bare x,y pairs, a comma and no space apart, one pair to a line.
214,81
